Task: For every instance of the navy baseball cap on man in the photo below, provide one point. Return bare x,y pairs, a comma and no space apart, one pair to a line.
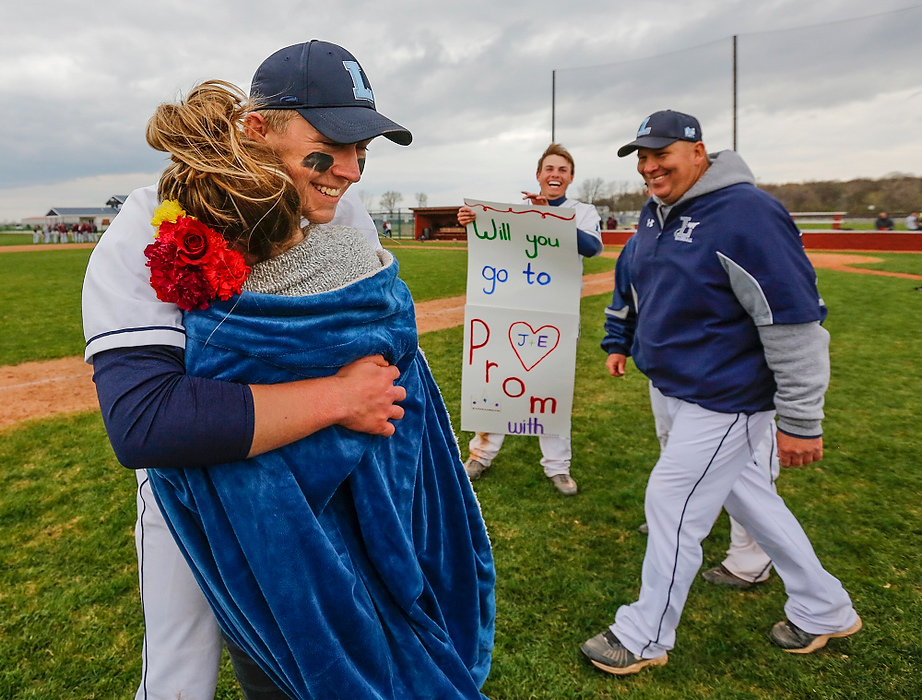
662,128
326,85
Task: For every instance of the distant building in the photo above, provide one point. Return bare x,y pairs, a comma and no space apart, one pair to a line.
100,216
437,223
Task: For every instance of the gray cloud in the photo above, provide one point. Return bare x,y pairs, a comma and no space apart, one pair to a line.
472,81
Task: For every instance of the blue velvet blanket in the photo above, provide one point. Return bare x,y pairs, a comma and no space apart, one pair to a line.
347,565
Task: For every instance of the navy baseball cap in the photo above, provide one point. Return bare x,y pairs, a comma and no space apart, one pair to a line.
662,128
328,87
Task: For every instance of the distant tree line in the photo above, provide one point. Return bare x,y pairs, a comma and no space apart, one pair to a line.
895,193
613,196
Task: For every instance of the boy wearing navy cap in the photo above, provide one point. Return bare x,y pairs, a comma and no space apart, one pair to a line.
717,303
135,343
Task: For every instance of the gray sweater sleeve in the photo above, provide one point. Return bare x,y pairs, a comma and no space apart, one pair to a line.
798,356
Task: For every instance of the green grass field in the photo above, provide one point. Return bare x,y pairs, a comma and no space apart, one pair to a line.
910,263
15,238
40,313
867,224
70,622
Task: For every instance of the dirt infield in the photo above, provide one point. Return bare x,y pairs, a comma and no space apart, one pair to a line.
446,313
43,389
45,246
843,263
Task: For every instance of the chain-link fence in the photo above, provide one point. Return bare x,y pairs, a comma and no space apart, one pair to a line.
830,102
401,223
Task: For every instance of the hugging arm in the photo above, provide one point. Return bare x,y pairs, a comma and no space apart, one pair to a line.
158,416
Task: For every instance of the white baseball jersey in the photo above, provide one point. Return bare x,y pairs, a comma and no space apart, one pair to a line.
121,309
587,216
182,643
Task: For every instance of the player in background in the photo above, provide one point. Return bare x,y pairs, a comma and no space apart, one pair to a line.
157,416
717,303
555,174
745,564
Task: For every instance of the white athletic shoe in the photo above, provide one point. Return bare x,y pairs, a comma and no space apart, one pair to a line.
473,468
564,484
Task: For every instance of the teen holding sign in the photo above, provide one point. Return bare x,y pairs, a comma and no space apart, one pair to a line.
555,174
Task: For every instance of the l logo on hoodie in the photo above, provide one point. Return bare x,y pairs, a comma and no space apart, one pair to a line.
684,233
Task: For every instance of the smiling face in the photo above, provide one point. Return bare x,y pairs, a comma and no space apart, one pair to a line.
672,170
555,176
320,181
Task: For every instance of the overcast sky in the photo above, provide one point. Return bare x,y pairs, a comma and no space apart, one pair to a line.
822,94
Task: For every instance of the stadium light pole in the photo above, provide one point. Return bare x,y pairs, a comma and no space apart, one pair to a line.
734,92
553,102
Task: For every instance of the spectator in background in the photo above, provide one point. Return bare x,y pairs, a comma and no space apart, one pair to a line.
611,224
884,222
912,221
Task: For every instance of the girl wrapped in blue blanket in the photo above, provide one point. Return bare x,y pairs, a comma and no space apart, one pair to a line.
345,565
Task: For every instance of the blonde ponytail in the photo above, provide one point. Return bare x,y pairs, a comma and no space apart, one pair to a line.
230,182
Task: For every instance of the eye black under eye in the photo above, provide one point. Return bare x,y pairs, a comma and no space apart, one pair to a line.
318,162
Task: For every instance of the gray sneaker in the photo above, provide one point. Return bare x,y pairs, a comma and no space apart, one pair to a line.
792,639
564,484
473,468
608,654
722,576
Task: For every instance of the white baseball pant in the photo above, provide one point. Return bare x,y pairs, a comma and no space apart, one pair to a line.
182,642
745,558
709,461
556,451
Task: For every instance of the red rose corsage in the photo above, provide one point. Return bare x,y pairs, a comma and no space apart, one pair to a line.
190,263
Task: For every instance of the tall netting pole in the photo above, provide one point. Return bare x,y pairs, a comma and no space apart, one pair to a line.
553,102
734,92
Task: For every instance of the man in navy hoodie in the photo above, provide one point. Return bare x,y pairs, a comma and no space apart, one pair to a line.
717,303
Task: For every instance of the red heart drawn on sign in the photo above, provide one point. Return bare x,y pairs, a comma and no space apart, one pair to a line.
530,345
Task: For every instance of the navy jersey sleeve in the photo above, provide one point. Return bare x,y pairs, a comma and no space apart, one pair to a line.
621,315
158,416
587,244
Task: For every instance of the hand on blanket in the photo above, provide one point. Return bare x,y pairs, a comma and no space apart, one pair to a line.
370,396
361,396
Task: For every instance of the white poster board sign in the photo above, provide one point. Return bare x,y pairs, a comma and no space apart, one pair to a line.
521,320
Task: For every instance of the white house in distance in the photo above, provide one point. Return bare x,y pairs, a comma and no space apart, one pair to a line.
100,216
